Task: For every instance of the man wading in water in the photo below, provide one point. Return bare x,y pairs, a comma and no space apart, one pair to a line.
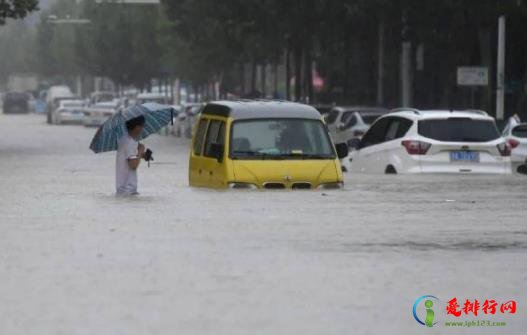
129,155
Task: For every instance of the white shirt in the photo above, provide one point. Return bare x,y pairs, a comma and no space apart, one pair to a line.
126,178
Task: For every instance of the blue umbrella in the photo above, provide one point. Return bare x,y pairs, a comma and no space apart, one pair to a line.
156,117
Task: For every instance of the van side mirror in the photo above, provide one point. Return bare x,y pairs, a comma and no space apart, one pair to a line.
216,151
342,150
354,143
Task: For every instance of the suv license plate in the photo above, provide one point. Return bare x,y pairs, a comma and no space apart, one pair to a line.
464,156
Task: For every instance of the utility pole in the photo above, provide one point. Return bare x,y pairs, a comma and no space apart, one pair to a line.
406,64
500,86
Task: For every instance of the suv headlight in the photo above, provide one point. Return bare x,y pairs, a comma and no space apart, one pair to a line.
242,186
331,186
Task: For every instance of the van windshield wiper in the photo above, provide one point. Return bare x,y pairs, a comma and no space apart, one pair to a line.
249,153
263,155
307,156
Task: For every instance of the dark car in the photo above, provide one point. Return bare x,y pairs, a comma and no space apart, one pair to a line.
16,102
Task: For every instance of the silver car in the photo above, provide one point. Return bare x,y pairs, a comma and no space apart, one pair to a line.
348,123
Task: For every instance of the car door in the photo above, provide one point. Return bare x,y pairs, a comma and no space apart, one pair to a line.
366,159
390,151
214,170
196,164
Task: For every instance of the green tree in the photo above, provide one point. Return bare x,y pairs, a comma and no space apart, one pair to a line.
16,9
120,42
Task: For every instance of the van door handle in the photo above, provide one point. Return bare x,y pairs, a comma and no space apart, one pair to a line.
200,171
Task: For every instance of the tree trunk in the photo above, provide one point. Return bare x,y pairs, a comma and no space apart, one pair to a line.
309,76
253,77
288,73
275,82
263,77
298,73
242,80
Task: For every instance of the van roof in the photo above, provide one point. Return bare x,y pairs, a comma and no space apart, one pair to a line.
261,109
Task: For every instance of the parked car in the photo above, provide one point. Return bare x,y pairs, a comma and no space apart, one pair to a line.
159,98
347,123
324,109
264,145
516,135
96,115
54,96
15,102
69,111
413,141
101,96
186,119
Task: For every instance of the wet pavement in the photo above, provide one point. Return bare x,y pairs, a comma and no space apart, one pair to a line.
74,259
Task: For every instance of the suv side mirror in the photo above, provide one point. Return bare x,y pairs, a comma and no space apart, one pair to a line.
216,151
342,150
354,143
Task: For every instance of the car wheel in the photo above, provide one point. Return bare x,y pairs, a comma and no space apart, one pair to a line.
390,170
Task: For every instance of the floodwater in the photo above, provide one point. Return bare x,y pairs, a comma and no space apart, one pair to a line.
74,259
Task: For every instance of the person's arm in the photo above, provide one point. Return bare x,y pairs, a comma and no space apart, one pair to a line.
135,160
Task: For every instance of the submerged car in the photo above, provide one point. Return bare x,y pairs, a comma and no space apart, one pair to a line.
96,115
516,135
348,123
413,141
264,145
69,111
16,102
54,96
186,118
159,98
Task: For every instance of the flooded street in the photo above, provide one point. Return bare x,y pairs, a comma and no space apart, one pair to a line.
74,259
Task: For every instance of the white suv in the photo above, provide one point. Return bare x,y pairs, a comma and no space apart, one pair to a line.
516,135
412,141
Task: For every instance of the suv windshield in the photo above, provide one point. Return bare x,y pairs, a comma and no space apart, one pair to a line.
459,130
280,139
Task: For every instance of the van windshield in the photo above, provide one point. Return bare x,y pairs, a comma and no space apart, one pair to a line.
280,139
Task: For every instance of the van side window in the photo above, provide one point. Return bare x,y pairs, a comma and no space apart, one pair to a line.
216,134
200,134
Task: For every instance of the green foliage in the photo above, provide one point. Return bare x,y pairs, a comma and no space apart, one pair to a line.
120,43
16,9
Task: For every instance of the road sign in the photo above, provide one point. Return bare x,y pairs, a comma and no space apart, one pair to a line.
472,76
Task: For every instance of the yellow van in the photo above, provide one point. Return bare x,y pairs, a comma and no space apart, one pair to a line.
264,145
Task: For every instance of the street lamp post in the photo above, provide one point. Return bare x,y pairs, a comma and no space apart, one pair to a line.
500,86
